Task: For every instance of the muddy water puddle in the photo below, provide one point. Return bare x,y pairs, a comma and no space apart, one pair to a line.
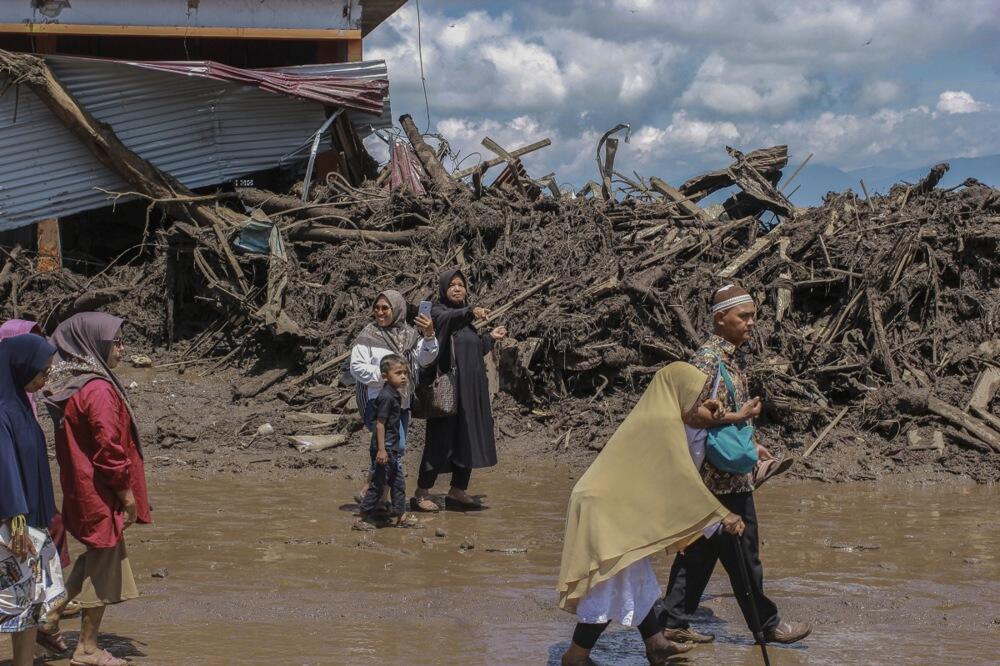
267,571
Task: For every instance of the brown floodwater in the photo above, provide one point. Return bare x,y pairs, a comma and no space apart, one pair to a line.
264,570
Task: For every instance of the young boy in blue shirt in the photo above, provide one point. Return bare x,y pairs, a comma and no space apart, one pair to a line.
386,447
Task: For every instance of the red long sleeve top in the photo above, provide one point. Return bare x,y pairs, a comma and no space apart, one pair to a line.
98,455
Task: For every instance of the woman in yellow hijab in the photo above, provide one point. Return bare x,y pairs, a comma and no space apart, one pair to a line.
641,495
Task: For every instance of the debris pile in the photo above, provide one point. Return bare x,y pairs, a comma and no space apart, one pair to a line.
877,313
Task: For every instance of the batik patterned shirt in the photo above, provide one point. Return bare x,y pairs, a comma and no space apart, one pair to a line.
715,350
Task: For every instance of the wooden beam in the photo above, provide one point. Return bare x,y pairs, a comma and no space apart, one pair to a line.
354,50
49,246
961,419
986,387
530,148
826,431
179,31
758,248
336,234
684,203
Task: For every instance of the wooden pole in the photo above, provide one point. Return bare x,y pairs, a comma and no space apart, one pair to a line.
438,176
826,431
49,246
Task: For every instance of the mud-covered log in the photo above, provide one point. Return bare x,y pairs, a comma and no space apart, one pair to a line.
278,204
432,166
333,234
931,180
767,161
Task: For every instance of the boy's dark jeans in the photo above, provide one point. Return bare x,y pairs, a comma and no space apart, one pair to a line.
392,474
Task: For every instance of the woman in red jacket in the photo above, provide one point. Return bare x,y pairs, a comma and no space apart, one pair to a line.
100,469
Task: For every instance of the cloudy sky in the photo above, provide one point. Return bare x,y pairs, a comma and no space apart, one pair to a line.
894,83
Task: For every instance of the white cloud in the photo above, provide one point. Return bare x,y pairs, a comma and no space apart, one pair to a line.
683,134
880,93
528,75
480,63
846,34
749,89
958,101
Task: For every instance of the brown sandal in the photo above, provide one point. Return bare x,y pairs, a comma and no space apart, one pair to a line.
52,640
424,505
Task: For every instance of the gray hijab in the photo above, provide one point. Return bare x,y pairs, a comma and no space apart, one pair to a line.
84,341
398,337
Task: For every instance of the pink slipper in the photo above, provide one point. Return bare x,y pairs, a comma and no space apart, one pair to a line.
102,658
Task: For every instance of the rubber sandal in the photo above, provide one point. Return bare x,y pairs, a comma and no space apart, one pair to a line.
424,505
770,469
104,658
410,522
72,609
363,526
52,641
452,504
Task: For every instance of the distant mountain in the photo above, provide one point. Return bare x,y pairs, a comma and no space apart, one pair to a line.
817,179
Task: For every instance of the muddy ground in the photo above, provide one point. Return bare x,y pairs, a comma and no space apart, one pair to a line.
190,422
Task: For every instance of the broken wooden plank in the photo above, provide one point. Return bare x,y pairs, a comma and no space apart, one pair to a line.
684,203
993,421
519,152
826,431
321,368
758,248
922,401
878,330
767,161
517,300
985,389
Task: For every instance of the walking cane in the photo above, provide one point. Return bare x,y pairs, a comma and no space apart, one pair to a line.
758,632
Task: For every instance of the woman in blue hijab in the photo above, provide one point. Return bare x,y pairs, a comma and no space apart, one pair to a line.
30,575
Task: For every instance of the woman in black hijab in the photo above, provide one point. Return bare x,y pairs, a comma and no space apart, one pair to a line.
465,441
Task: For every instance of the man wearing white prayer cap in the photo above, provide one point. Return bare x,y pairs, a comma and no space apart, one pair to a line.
734,318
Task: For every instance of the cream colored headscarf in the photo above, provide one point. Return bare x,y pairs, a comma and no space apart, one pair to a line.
642,494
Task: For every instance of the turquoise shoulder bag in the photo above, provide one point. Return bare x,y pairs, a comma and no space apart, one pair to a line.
730,448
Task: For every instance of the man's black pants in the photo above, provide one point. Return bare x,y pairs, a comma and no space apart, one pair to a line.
693,568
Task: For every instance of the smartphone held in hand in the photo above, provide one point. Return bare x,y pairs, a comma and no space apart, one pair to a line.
425,308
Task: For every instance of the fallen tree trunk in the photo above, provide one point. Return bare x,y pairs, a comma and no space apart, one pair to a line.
432,166
280,204
327,234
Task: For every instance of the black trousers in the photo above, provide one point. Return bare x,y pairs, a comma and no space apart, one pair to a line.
693,568
586,635
389,474
460,477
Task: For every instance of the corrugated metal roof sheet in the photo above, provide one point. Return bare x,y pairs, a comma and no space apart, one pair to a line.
199,130
367,70
348,92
